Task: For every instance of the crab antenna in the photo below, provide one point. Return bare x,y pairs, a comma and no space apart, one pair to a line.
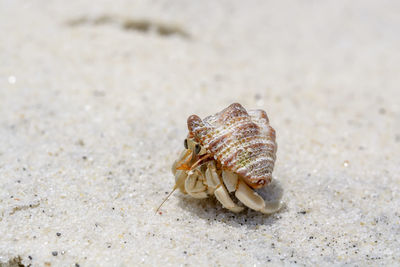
173,190
201,161
177,184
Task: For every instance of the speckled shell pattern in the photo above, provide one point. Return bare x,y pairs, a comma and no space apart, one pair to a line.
242,141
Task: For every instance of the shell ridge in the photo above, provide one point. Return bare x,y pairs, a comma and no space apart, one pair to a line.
242,141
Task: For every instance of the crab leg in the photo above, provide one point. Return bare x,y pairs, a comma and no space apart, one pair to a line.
220,192
253,200
247,195
272,207
230,180
223,196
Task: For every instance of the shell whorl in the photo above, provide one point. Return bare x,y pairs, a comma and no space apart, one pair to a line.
241,141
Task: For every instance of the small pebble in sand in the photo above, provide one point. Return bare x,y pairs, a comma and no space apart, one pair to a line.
54,253
11,79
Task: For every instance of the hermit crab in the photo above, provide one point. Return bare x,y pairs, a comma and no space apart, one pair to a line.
229,153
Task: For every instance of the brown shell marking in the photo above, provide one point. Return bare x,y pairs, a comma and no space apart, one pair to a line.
241,141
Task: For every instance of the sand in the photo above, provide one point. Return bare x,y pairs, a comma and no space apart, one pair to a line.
93,106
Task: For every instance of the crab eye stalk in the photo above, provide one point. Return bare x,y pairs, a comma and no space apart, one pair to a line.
197,149
185,144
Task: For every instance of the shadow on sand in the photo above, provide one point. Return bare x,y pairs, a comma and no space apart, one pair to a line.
211,210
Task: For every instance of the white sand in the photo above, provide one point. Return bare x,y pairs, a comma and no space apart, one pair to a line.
93,113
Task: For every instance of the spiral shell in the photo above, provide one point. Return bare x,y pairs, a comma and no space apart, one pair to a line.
243,142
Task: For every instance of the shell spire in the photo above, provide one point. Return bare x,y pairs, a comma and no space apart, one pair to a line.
242,141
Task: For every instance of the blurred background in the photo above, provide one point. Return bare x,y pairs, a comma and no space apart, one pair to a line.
94,98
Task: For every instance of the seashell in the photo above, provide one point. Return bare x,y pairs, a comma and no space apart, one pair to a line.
242,142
